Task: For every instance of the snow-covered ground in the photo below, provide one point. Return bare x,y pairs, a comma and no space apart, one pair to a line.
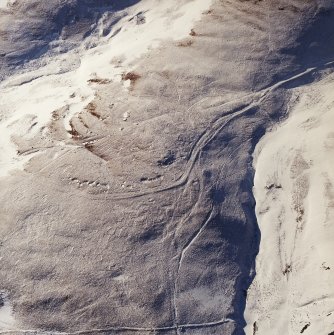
3,3
29,99
293,290
7,320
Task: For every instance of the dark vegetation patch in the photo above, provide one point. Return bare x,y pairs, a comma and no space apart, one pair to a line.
192,32
55,116
300,213
159,301
92,148
273,185
208,12
50,303
305,327
91,108
168,159
325,267
150,234
255,328
2,300
186,43
99,81
288,269
132,76
150,179
217,195
74,132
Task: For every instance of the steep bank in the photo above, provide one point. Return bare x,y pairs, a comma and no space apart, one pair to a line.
293,291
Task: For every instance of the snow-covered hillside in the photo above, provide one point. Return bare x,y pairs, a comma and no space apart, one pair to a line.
131,134
68,80
293,290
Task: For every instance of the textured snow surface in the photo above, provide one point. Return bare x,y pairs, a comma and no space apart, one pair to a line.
63,83
135,213
293,290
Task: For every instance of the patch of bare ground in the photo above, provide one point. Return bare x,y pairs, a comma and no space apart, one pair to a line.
101,81
132,76
185,43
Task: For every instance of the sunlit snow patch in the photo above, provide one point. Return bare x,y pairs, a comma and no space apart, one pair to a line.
293,291
7,321
3,3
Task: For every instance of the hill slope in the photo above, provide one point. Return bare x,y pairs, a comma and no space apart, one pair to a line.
127,136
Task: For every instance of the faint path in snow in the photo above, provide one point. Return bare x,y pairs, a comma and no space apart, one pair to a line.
117,329
214,128
293,291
